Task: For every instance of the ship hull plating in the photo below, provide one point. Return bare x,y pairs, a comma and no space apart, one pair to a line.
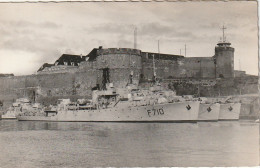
209,112
9,116
170,112
229,111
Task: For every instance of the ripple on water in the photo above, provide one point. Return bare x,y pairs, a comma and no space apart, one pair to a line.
81,144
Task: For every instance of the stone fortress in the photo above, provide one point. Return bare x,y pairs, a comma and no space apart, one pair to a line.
116,64
75,76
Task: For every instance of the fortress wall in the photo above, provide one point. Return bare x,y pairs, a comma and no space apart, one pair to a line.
15,87
147,70
66,85
46,88
163,68
175,69
87,65
84,82
199,67
56,80
120,77
59,69
113,61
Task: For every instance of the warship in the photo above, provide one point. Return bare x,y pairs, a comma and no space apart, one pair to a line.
129,104
229,108
229,111
209,111
16,108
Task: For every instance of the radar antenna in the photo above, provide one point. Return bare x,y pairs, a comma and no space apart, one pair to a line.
223,29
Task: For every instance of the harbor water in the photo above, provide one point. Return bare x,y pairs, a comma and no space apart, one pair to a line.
88,144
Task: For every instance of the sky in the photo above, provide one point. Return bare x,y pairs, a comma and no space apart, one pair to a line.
32,34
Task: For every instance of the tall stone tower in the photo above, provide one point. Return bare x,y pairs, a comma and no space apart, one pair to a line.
115,65
224,58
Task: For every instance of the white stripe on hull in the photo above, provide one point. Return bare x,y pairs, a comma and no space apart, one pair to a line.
229,111
209,112
6,116
160,112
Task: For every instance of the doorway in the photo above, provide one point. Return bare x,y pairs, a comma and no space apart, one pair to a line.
105,77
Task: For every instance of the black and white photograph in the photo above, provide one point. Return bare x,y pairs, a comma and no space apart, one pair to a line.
129,84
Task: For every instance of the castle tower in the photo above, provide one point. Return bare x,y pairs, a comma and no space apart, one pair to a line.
118,65
224,58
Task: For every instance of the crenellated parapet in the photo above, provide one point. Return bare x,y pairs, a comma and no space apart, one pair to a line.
107,51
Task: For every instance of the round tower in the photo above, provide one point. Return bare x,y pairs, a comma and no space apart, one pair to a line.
224,58
120,66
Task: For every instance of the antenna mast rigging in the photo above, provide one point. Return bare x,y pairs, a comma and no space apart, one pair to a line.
223,29
135,39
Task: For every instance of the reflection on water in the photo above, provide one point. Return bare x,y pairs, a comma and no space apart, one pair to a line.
83,144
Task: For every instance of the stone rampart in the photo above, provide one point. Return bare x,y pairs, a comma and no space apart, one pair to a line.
200,67
163,68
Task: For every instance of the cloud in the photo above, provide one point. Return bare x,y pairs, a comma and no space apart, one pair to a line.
147,30
45,32
26,24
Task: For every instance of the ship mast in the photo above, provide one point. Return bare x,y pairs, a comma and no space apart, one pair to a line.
135,39
154,73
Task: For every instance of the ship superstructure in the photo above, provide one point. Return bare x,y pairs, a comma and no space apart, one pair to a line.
129,104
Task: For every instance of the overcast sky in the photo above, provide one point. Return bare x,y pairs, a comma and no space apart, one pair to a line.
35,33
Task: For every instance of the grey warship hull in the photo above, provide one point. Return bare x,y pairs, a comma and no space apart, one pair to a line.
229,111
169,112
209,112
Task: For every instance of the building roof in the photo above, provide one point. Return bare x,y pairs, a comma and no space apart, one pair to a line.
69,59
93,54
44,66
6,75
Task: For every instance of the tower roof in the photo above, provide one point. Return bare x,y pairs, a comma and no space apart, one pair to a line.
224,44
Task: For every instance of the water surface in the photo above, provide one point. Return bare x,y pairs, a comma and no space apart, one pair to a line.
86,144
